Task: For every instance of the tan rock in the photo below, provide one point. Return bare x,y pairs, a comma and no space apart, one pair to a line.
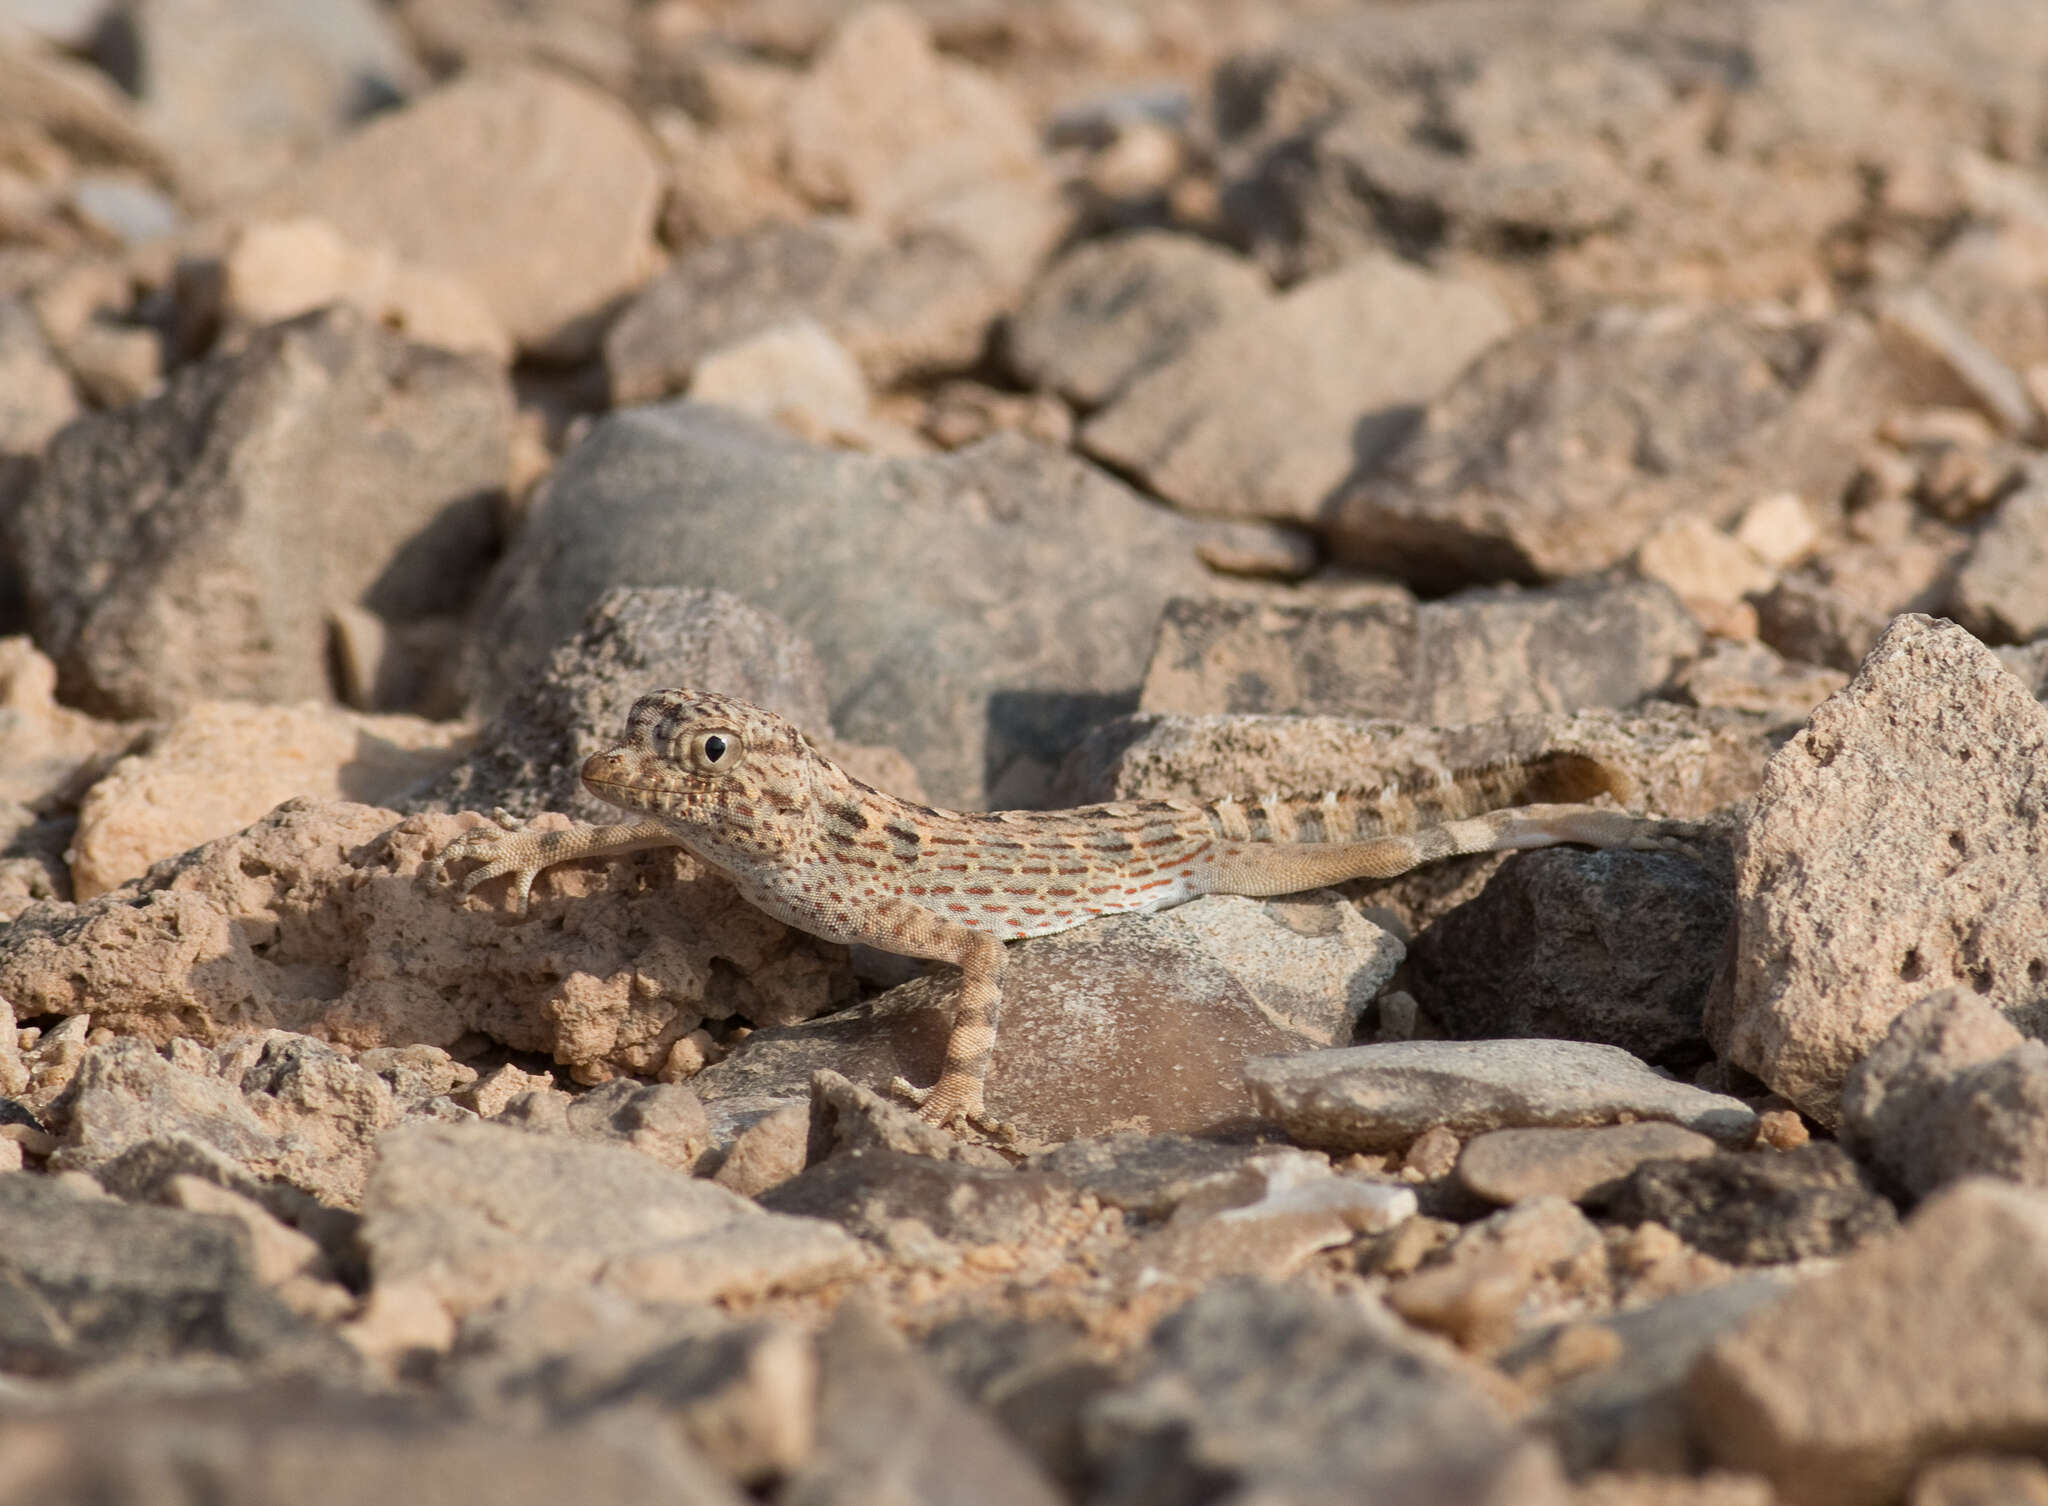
1981,1480
1509,1165
318,919
767,1152
1700,562
279,268
1264,415
1895,848
537,191
1941,1328
47,751
1778,529
223,764
883,121
1543,1258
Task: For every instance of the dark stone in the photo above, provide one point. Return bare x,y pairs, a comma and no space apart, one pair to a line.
1760,1207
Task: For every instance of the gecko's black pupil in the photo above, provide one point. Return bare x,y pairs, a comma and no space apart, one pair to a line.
714,749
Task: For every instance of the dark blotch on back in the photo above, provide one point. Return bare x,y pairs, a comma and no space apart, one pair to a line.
852,815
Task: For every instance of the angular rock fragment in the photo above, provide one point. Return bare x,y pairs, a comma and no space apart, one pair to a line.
1757,1208
476,1212
1441,663
1937,1325
195,544
1896,848
1581,1165
1998,592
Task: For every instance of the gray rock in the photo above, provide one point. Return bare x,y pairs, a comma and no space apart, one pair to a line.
1582,1165
239,92
881,1194
530,758
1982,1480
1369,1098
1945,361
320,1448
1760,1207
1256,1391
1036,1378
1264,415
1561,449
661,1120
1110,310
741,1393
1998,593
848,1117
1132,1020
1952,1090
1442,664
1146,1175
193,545
1631,1412
90,1281
1934,1324
2030,664
981,648
1895,849
917,302
476,1212
1617,947
890,1430
1754,678
124,1093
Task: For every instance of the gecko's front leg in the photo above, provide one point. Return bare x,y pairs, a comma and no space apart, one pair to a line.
508,846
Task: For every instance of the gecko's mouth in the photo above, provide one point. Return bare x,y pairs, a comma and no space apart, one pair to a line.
620,776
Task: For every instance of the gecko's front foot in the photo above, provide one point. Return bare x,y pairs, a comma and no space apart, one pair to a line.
500,847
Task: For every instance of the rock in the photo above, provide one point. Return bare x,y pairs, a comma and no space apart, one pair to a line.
904,304
476,1212
529,759
1716,1488
279,269
49,753
1952,1090
328,463
322,1449
1536,1260
767,1152
1442,663
1628,1410
1997,592
1758,1208
980,597
741,1393
904,1202
1888,856
1282,1393
220,765
1148,1176
848,1117
317,920
1264,414
1368,1098
95,1282
1947,363
798,376
537,191
239,93
1701,563
1981,1480
883,122
887,1429
1946,1303
593,39
1580,1165
1755,678
1110,310
1617,947
36,399
661,1120
1536,462
1128,1021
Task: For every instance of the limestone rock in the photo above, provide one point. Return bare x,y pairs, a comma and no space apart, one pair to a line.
1895,849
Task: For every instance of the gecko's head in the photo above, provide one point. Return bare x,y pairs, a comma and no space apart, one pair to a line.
730,779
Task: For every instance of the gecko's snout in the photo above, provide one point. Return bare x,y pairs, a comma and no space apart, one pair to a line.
609,770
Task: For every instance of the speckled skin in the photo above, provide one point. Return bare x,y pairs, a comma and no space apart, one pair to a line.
804,840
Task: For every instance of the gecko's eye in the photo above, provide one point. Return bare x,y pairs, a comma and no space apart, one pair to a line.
714,752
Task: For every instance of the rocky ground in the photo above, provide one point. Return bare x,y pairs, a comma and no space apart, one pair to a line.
1039,403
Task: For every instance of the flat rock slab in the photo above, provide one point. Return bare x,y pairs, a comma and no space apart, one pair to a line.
1897,847
1937,1326
982,646
475,1212
1373,1098
1509,1165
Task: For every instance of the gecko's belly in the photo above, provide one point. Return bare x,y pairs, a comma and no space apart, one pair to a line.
837,909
